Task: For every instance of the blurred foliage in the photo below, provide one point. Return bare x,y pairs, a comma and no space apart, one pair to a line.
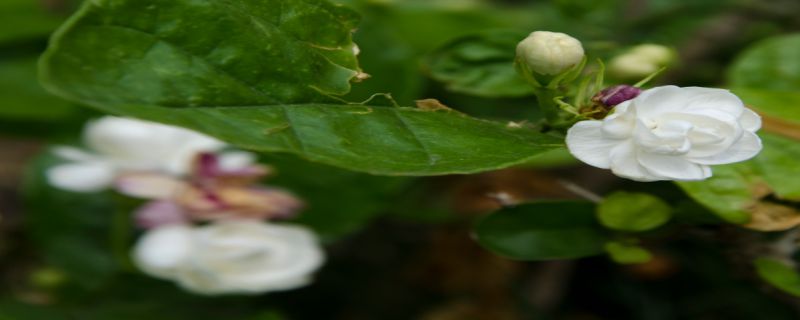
480,65
542,231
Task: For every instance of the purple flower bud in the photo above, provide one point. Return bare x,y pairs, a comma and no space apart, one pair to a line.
615,95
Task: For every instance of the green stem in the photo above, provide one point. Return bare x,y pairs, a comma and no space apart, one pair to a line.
553,114
119,237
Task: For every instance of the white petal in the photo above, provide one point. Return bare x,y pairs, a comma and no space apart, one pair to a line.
625,164
651,103
748,146
81,176
673,167
713,131
249,256
74,154
124,139
148,185
721,100
189,144
143,145
621,122
668,138
750,120
162,251
586,142
235,160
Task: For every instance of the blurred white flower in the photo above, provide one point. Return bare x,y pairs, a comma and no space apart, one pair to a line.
118,145
669,133
550,53
641,61
233,256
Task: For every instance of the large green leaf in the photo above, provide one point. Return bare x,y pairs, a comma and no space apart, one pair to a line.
204,53
782,105
778,164
771,64
263,76
735,188
727,193
543,230
481,65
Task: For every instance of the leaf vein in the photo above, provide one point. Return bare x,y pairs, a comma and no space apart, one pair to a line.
431,159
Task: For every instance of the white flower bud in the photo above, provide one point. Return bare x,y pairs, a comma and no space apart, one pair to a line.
550,53
640,61
669,133
233,256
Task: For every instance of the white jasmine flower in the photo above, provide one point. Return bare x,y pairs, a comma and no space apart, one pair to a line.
669,133
120,144
234,256
550,53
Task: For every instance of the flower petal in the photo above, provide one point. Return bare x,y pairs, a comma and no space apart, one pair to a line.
625,164
158,214
81,176
161,252
74,154
673,167
148,185
750,120
656,101
143,145
721,100
620,123
748,146
668,138
235,160
586,142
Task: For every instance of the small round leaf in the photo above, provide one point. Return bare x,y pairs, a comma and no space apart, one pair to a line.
633,211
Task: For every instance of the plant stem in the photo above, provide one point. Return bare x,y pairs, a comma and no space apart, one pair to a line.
119,237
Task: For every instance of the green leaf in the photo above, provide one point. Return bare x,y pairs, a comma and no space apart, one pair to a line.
256,77
777,163
779,275
770,64
628,211
165,53
395,141
783,105
481,65
542,231
781,117
727,193
624,253
22,96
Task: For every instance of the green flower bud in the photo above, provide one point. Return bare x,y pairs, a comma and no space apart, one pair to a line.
549,53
